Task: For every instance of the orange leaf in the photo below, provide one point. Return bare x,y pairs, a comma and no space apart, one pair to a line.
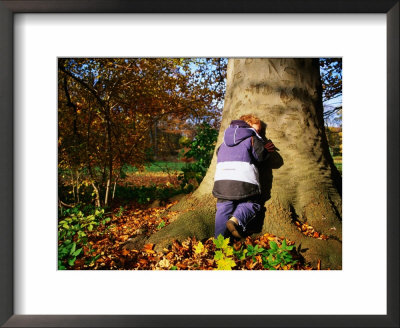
175,246
170,255
259,259
148,247
79,262
124,237
237,245
262,243
250,264
181,266
143,261
210,262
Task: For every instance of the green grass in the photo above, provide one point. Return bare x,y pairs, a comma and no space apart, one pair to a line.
338,163
149,167
160,167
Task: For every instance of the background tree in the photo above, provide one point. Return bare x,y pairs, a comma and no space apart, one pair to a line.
334,135
331,76
301,182
111,112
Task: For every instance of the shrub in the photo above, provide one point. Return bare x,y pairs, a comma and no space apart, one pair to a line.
201,150
72,235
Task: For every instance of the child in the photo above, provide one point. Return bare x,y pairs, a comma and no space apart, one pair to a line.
236,183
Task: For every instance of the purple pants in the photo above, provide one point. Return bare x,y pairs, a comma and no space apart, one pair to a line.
241,210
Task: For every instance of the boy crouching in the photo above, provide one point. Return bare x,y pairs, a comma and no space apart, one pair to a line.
236,181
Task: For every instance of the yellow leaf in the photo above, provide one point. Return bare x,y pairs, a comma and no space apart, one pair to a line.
225,243
199,248
225,264
229,251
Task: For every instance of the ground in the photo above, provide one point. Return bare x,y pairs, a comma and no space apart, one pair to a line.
121,243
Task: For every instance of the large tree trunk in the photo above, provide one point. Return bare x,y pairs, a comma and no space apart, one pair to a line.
300,181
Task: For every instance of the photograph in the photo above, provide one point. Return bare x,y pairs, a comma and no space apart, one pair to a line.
155,153
199,163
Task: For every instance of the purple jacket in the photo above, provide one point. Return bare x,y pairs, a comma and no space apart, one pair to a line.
236,174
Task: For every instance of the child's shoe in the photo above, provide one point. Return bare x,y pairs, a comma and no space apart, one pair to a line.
232,226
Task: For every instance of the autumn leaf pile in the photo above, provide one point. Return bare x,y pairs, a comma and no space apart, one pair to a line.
310,231
104,249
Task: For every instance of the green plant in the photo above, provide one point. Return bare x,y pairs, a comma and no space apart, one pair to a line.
120,211
161,225
201,150
224,256
72,235
92,259
250,251
67,252
254,250
184,141
272,258
278,256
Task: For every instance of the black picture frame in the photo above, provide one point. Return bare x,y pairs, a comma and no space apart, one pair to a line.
10,7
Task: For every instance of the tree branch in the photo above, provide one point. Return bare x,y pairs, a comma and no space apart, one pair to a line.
83,83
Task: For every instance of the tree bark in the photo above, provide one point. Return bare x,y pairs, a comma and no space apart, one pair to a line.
300,181
109,155
97,194
73,185
107,192
115,187
77,185
155,140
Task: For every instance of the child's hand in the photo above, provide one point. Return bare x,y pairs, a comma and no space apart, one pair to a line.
270,147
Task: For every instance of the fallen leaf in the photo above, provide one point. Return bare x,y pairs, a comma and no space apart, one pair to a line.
237,245
143,261
148,247
125,252
164,263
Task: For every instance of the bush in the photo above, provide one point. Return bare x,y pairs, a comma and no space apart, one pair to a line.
72,235
201,150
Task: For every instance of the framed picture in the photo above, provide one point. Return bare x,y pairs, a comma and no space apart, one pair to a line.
29,299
